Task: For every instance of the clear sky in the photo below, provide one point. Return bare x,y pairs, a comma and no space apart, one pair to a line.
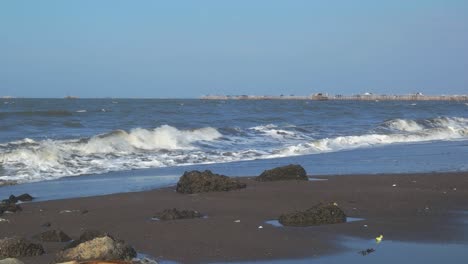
192,48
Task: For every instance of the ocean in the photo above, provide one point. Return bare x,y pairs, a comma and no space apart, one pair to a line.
43,140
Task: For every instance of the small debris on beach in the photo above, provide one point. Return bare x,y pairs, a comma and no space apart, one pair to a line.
46,224
366,252
379,239
260,227
237,221
365,226
394,185
4,220
68,211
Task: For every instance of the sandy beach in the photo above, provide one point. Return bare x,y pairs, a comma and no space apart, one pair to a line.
405,207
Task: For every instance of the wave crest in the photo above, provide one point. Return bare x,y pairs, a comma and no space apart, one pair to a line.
29,160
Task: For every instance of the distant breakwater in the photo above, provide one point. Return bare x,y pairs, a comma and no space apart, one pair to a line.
321,97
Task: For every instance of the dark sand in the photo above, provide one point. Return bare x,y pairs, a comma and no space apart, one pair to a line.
422,207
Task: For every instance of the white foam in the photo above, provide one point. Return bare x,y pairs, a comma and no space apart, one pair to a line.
404,125
29,160
117,150
436,129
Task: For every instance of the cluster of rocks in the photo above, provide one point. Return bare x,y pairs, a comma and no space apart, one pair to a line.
91,245
206,181
96,245
10,204
319,214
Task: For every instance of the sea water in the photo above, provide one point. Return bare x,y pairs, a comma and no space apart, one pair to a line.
48,139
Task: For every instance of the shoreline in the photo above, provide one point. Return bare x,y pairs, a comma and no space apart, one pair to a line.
420,207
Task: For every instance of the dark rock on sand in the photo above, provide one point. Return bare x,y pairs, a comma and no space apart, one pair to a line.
174,214
52,236
22,198
100,248
206,181
285,173
318,215
87,235
19,247
9,207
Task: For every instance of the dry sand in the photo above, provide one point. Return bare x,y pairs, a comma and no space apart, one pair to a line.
408,207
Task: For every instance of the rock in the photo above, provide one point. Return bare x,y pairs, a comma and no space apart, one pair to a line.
174,214
23,198
317,215
101,248
9,207
206,181
11,261
19,247
285,173
52,236
87,235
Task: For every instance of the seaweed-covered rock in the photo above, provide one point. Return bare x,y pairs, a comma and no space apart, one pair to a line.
285,173
100,248
206,181
52,236
318,215
174,214
87,235
13,247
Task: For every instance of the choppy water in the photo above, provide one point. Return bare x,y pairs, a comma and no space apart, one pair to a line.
43,139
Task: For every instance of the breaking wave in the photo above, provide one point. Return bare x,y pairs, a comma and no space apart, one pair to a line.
30,160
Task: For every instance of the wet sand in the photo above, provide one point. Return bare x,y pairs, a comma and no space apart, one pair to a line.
420,207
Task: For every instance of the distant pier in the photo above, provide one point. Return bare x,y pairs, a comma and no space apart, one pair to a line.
360,97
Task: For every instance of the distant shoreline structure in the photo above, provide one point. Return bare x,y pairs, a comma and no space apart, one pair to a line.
339,97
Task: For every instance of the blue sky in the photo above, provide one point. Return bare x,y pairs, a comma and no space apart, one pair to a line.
192,48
